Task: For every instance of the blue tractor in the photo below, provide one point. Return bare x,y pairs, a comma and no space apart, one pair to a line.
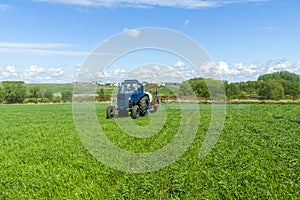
134,100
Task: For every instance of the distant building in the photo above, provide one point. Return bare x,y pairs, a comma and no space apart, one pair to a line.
57,94
170,84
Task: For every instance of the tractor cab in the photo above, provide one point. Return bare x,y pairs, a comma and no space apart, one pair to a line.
131,86
130,92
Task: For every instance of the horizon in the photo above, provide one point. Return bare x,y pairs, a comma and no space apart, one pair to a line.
113,82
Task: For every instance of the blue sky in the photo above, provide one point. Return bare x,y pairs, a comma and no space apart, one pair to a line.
47,40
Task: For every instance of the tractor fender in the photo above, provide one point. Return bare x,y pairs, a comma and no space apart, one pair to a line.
150,96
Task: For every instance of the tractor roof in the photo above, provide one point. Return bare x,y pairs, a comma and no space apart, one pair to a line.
131,81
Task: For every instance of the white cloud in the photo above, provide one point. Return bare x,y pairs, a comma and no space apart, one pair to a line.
33,70
5,74
223,68
179,64
118,72
186,23
33,45
43,52
35,73
271,70
250,71
239,66
9,72
132,32
237,72
103,75
209,70
277,64
297,68
189,4
11,69
156,68
40,49
56,71
154,73
284,65
4,7
207,67
240,72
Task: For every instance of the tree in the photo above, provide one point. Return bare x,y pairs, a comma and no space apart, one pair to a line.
48,94
232,90
282,75
199,86
271,89
35,92
291,89
66,96
13,91
1,94
101,94
185,89
243,95
215,89
275,86
206,88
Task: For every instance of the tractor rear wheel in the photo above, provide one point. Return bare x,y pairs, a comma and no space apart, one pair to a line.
143,105
134,112
110,112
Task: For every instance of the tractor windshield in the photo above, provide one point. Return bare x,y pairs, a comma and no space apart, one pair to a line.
130,87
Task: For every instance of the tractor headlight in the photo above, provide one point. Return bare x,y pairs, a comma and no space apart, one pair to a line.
129,99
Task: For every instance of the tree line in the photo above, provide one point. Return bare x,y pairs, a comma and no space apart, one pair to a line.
17,92
12,92
275,86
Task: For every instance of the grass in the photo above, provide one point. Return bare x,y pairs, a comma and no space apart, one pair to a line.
55,88
256,157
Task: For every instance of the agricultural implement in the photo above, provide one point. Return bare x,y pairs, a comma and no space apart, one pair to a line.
133,99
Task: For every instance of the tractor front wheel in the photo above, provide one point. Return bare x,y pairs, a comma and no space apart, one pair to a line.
110,112
134,112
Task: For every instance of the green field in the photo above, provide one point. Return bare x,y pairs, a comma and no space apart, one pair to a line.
256,157
55,88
